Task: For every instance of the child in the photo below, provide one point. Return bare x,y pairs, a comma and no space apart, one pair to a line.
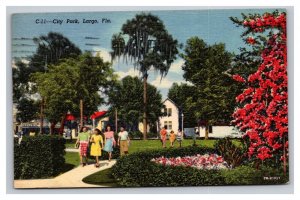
172,138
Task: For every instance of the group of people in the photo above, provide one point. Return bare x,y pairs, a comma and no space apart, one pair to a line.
172,137
98,141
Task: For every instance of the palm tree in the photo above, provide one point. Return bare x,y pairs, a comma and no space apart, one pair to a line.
144,41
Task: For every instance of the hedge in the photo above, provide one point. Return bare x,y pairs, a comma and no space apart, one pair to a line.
38,157
137,170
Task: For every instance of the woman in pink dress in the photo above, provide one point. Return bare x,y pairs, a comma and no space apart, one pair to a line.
109,142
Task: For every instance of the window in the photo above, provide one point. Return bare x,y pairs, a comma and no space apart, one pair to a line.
169,112
168,124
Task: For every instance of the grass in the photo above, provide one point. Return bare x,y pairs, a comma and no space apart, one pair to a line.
102,177
72,158
145,145
70,144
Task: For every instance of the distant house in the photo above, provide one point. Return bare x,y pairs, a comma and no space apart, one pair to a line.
173,122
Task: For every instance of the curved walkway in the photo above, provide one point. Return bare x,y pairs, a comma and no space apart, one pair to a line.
70,179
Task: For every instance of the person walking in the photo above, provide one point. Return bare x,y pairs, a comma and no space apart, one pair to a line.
172,138
83,141
96,139
179,137
163,136
109,142
123,141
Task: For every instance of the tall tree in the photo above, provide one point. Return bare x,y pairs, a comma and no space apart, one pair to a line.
184,96
262,111
145,41
127,99
50,49
204,67
73,79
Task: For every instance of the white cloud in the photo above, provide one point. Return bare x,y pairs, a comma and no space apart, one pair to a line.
131,72
162,83
166,83
104,54
177,67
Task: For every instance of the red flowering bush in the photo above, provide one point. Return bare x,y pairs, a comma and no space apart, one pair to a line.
263,105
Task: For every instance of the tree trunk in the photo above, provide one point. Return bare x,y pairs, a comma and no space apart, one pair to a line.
62,124
206,132
145,108
284,157
52,126
42,116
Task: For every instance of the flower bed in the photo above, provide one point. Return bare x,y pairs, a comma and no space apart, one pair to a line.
206,161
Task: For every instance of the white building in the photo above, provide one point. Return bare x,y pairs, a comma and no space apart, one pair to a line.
171,120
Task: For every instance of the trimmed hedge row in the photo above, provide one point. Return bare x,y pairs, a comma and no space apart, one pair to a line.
137,170
38,157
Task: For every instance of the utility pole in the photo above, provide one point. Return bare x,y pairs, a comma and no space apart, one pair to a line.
42,116
116,120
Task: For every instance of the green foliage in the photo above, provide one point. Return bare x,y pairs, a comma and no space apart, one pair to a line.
137,170
205,67
38,157
50,49
127,98
184,96
234,155
27,110
71,80
246,175
145,40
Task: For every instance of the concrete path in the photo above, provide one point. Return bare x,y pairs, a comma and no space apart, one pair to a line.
72,150
70,179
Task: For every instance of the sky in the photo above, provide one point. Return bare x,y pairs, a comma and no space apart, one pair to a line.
213,26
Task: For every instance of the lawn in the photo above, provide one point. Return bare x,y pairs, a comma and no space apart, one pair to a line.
72,158
102,177
144,145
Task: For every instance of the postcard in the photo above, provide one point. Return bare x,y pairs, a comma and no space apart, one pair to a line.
154,98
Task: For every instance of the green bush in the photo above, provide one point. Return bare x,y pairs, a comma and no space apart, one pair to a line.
135,134
137,170
38,157
234,155
139,135
247,175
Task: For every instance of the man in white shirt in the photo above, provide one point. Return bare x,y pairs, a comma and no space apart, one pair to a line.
123,141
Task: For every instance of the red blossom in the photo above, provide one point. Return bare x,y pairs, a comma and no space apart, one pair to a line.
251,40
264,111
238,78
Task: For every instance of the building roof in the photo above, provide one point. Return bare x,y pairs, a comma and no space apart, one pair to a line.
171,102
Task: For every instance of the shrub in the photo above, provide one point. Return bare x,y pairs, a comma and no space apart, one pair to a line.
38,157
247,175
137,170
135,134
234,155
